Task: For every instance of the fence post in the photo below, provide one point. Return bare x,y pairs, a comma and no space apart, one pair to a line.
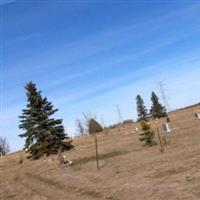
96,149
160,141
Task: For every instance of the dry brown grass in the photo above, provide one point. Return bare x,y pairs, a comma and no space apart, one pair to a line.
129,171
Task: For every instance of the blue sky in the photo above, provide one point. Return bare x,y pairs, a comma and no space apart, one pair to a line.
89,56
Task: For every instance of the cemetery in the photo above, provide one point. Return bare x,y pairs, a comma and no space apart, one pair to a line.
122,159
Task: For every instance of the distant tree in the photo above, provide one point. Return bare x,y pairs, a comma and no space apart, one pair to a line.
80,127
43,134
86,120
157,110
4,146
94,126
147,134
141,109
128,121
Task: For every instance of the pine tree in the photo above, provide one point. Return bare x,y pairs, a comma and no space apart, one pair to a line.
43,134
28,121
157,110
141,109
147,134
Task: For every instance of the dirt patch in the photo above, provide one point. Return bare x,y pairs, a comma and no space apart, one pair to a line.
169,172
47,181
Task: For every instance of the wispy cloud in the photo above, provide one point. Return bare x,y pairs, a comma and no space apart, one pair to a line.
157,45
92,45
98,69
3,2
178,88
64,79
160,70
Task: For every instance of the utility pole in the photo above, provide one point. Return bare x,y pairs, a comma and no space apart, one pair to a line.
102,121
163,95
119,114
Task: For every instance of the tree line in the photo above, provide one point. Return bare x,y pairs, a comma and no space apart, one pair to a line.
156,111
45,135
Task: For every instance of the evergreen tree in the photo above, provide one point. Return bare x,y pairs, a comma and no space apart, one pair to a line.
157,110
141,109
147,134
28,118
94,126
43,134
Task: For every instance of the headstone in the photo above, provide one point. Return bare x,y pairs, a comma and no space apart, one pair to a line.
166,128
197,115
49,159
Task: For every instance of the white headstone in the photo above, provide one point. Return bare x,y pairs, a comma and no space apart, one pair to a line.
166,128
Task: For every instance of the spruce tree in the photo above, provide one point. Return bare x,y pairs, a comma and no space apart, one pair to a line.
43,134
147,134
141,109
157,110
28,117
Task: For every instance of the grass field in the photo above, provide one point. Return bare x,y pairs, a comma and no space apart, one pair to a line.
128,170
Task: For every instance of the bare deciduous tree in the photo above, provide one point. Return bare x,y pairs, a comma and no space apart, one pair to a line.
80,127
85,122
4,146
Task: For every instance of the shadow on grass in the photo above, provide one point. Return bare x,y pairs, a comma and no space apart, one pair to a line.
60,186
47,181
104,156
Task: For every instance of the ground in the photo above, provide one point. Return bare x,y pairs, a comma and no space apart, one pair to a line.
128,170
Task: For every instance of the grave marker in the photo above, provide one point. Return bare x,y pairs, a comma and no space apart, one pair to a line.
166,128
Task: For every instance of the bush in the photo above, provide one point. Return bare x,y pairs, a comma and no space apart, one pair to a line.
147,134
